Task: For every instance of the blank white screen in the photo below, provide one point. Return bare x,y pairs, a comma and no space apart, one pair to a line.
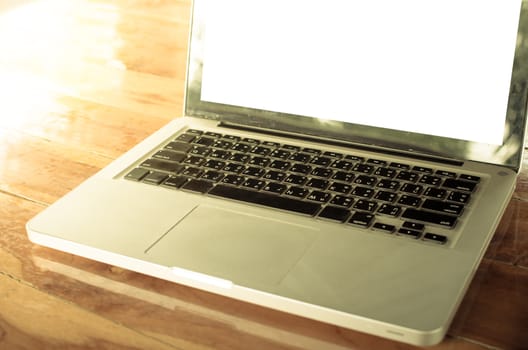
433,67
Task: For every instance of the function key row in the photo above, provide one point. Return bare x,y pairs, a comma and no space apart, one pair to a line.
319,157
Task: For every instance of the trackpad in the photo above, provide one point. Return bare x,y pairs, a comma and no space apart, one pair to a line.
232,245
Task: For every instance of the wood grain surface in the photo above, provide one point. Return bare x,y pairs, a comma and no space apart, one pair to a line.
82,81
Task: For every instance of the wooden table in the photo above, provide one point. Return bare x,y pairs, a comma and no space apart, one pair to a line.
81,81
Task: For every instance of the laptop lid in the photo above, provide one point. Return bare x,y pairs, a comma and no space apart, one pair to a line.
421,77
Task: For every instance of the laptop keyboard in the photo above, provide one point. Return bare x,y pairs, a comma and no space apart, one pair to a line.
395,198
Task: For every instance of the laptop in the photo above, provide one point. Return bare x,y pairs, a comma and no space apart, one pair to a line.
344,161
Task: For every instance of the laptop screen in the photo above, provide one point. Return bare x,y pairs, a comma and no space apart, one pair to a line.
418,67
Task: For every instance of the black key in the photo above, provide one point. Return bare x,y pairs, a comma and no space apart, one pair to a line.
311,150
385,172
445,173
275,187
341,165
298,192
179,146
200,186
317,183
430,180
280,153
191,171
137,174
162,165
194,132
389,184
223,144
261,150
255,184
213,134
271,144
155,178
384,227
187,137
212,175
340,187
280,165
462,185
322,172
342,201
233,179
300,157
295,179
200,151
214,164
430,217
399,166
413,225
291,148
389,210
333,154
459,197
319,196
343,176
365,180
170,156
365,205
445,207
221,154
241,147
335,213
363,192
234,168
361,219
407,176
259,161
274,175
433,237
422,169
386,196
435,192
239,158
301,168
412,188
411,201
231,138
376,161
206,141
319,160
194,160
251,140
409,233
253,171
469,177
363,168
354,159
175,181
266,199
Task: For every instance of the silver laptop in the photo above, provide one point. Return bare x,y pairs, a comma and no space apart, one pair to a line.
345,161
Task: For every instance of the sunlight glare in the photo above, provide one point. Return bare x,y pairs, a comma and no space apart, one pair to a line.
49,49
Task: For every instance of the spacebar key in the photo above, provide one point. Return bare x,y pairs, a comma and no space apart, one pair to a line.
266,199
